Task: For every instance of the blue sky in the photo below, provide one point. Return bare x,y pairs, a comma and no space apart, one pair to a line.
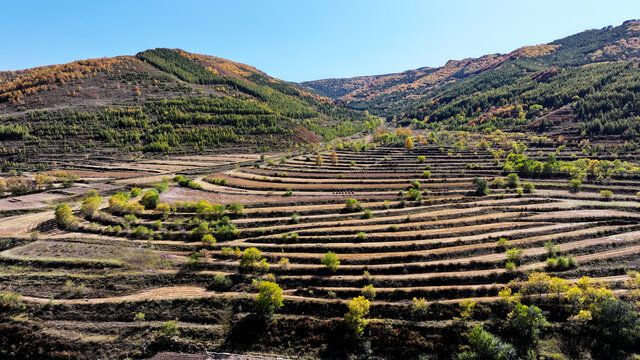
295,40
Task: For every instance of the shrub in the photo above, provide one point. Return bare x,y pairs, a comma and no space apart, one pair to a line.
426,174
169,328
503,243
288,192
419,306
269,298
90,205
421,159
528,187
135,192
340,176
369,292
355,317
367,214
284,263
250,259
142,232
11,304
607,195
235,208
415,184
361,236
139,317
513,180
294,219
575,185
352,205
150,199
334,157
513,255
498,183
414,194
208,239
510,266
331,261
64,217
221,282
481,186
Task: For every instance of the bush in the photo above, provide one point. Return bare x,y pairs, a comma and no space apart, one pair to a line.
607,195
235,208
150,199
288,192
64,217
90,205
139,317
135,192
498,183
503,243
369,292
169,328
510,266
250,259
269,298
352,205
575,185
221,282
513,180
421,159
414,194
528,187
426,174
513,255
367,214
481,186
355,317
208,239
331,261
361,236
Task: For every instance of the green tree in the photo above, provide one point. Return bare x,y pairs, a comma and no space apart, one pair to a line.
150,199
485,346
481,186
331,261
524,324
575,185
513,180
269,298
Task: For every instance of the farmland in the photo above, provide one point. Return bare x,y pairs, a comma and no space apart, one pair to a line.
408,228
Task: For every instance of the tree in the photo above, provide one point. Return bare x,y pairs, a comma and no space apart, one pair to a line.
355,317
90,205
524,324
369,292
150,199
485,346
169,328
64,217
331,261
334,158
408,144
513,180
575,185
607,195
250,259
319,160
481,186
269,298
352,205
528,187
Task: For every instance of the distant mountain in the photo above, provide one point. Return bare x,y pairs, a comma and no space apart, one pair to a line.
160,100
497,91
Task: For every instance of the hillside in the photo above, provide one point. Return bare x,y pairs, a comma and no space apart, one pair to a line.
570,76
160,100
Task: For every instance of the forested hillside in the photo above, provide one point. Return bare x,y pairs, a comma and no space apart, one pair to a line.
160,100
583,85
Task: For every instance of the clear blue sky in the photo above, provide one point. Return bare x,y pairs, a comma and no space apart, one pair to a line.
295,40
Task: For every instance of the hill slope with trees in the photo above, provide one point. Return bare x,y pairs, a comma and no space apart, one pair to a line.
584,85
160,100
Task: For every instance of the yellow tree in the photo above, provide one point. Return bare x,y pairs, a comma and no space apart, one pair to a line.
334,158
408,144
319,160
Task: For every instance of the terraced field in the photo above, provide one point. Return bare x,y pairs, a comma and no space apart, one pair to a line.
443,247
